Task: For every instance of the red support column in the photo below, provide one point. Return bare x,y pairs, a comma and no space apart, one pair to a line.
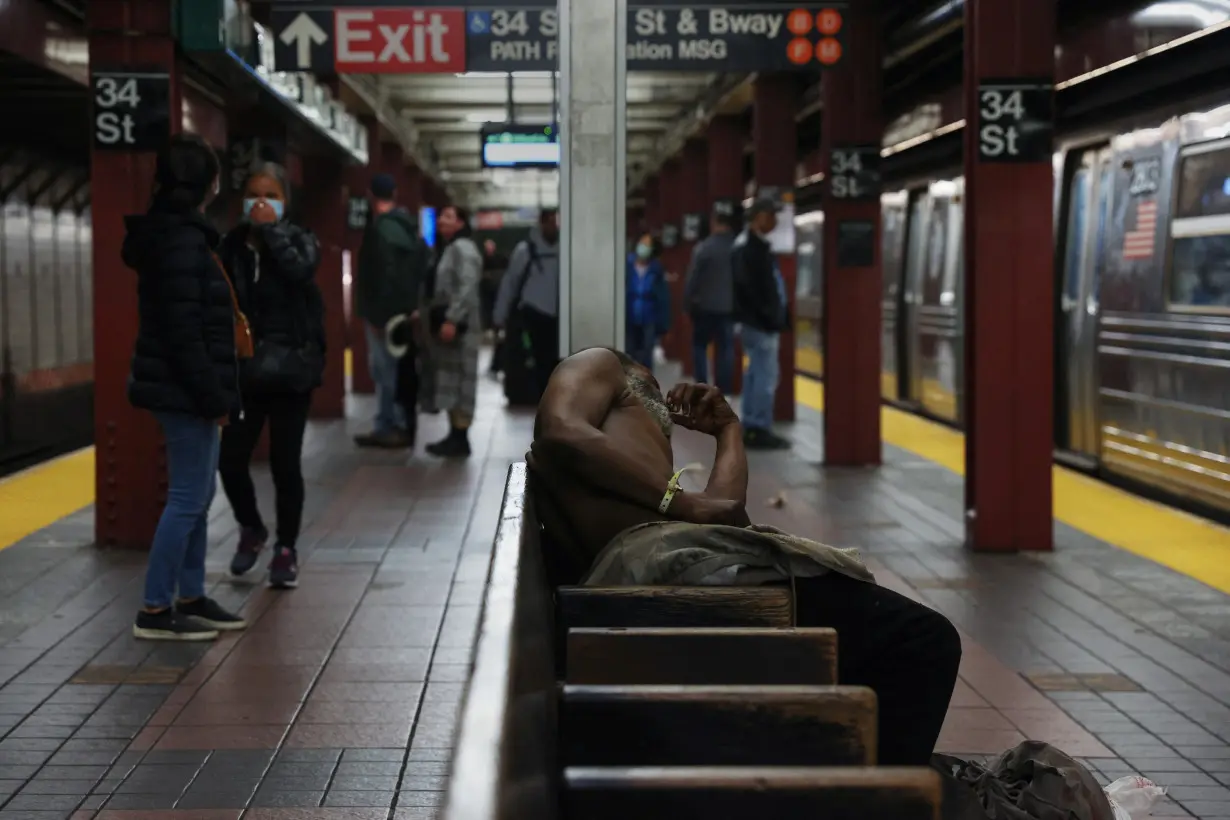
727,138
1010,56
852,286
775,143
670,215
357,181
324,211
130,471
652,214
694,193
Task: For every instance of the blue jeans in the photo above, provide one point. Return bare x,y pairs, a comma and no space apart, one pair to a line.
760,377
640,341
177,556
383,369
715,329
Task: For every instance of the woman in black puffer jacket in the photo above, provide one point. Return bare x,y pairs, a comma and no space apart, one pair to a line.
273,264
184,370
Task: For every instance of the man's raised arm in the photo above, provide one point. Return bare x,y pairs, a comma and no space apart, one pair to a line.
568,434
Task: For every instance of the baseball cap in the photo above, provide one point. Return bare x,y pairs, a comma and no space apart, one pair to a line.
383,186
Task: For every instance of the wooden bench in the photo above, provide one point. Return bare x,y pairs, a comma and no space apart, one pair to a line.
531,749
701,656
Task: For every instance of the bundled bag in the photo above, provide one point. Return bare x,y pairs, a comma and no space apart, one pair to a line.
1033,781
1133,797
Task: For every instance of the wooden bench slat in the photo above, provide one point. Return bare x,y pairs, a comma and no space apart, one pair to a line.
718,726
674,606
702,656
833,793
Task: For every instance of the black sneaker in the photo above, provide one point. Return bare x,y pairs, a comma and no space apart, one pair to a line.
392,440
284,569
455,445
169,625
251,542
757,439
210,613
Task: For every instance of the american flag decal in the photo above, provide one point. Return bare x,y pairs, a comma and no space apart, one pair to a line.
1139,242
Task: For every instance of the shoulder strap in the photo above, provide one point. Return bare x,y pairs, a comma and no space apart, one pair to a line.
533,260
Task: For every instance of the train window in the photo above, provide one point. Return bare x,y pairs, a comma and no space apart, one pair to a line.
1200,250
1204,184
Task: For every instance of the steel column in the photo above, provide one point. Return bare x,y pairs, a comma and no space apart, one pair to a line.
850,328
1009,295
324,211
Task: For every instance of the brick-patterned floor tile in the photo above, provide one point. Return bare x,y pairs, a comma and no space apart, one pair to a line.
332,735
221,737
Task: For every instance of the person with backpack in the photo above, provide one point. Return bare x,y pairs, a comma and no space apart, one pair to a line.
272,262
528,311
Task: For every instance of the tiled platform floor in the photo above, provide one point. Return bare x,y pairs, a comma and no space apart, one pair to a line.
340,701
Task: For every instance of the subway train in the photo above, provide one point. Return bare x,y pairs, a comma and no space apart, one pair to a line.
1142,283
46,309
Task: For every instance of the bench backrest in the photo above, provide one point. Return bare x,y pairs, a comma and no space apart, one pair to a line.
505,765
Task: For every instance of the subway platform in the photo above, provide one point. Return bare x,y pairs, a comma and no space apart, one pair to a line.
339,701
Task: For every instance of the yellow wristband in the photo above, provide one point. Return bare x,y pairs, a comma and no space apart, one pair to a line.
672,487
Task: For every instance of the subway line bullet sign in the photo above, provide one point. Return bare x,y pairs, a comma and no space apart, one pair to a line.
473,36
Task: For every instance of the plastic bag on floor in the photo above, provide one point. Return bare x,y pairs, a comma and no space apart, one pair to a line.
1032,781
1134,797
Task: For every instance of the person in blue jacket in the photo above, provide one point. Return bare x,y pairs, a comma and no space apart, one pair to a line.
648,304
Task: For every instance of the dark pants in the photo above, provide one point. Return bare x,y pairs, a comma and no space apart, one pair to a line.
408,383
906,653
287,415
543,331
718,330
639,342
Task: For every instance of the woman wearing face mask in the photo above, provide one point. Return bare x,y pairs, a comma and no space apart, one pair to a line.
184,370
648,302
454,322
273,264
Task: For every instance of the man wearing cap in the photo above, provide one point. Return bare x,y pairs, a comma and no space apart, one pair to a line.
760,308
389,279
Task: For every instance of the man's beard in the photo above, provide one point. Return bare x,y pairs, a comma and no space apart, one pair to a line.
648,394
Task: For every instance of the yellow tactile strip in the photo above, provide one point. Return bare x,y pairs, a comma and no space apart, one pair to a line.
1170,537
42,495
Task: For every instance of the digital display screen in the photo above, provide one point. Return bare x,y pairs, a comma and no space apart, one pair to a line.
427,224
520,146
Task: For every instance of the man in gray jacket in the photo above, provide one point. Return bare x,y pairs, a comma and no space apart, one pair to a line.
527,309
709,296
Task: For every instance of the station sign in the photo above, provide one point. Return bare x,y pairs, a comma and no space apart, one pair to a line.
1016,120
854,173
408,36
856,243
131,109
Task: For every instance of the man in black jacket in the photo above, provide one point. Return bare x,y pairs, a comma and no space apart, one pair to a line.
760,307
390,275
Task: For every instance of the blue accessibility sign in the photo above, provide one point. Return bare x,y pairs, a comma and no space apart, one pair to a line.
479,22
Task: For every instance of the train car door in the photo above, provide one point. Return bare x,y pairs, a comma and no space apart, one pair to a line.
932,378
1089,202
892,239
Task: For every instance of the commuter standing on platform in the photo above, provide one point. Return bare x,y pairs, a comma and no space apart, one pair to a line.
709,296
454,321
528,311
184,370
273,264
761,309
647,307
388,277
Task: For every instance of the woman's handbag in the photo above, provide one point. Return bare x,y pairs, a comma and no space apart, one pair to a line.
244,348
278,367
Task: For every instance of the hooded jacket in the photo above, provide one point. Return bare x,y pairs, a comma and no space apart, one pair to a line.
392,270
532,279
184,359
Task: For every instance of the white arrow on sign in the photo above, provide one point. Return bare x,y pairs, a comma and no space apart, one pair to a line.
304,32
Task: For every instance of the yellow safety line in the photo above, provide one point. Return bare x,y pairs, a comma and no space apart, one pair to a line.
42,495
1170,537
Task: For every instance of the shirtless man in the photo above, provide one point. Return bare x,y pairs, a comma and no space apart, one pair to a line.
601,467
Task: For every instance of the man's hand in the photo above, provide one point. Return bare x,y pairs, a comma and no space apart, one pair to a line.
448,332
698,508
700,407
